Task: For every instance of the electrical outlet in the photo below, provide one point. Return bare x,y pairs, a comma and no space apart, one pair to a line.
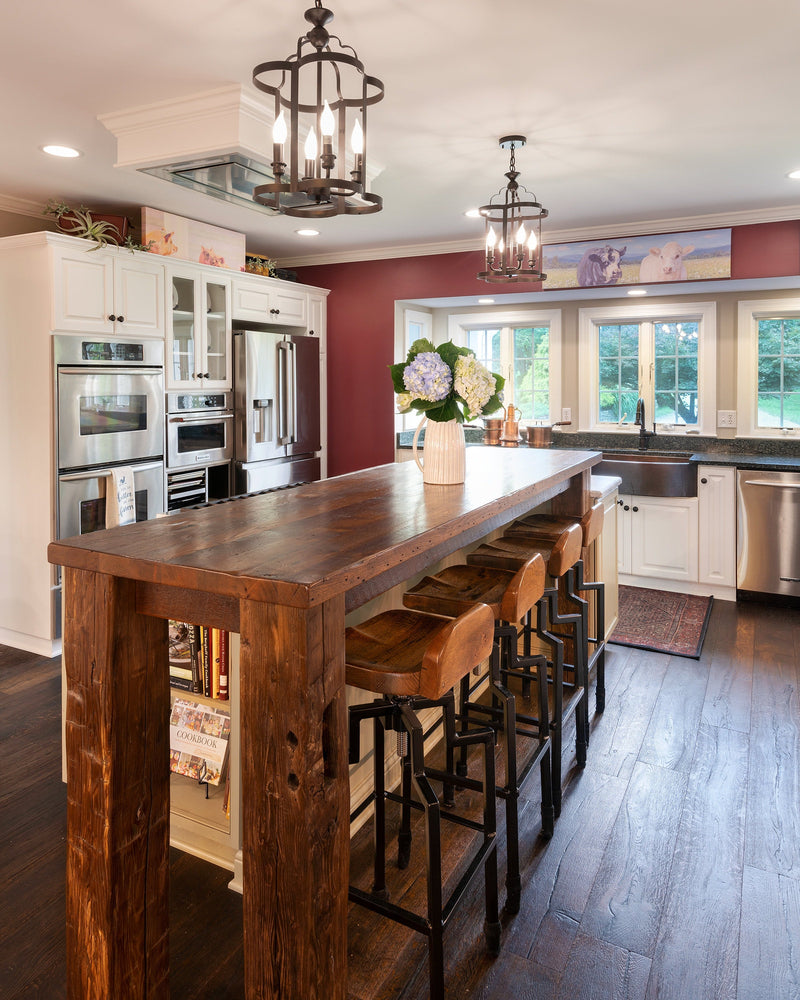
726,418
566,414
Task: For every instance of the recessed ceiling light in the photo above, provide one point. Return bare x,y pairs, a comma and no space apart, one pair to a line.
637,291
794,174
485,302
472,213
307,232
65,151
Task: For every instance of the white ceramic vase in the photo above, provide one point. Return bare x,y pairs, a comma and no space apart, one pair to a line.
444,458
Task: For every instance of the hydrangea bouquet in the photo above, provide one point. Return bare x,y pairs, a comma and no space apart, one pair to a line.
445,383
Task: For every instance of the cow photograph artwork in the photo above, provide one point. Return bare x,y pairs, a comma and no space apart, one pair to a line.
639,260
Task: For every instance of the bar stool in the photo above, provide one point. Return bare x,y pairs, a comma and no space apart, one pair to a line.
591,525
509,553
413,661
511,596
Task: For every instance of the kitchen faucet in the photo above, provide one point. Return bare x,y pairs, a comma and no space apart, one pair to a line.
644,434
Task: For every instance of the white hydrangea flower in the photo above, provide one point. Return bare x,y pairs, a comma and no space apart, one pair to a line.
404,402
474,383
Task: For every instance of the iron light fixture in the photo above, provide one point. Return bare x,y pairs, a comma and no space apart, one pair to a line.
513,228
325,92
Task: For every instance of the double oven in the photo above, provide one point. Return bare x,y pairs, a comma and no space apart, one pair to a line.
110,415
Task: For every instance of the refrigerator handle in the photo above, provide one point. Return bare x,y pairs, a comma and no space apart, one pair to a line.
286,392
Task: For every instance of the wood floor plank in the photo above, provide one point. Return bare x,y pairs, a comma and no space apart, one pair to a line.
730,678
614,747
697,948
557,878
769,961
624,907
773,810
670,738
597,970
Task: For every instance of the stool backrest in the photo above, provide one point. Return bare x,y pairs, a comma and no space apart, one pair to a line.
524,590
592,523
464,643
566,551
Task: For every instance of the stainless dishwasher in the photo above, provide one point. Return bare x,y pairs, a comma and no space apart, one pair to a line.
768,532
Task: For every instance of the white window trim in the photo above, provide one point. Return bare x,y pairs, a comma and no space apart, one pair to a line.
750,312
404,421
588,320
459,323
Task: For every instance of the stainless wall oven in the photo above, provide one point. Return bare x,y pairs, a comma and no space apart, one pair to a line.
199,429
110,400
110,413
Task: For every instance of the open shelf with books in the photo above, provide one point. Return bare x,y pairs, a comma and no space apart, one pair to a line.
204,745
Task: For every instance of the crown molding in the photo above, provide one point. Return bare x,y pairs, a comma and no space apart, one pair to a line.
21,206
645,227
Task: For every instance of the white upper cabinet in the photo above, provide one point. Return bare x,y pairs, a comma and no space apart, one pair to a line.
269,300
198,348
108,291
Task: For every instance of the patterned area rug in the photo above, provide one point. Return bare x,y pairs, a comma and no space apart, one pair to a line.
662,621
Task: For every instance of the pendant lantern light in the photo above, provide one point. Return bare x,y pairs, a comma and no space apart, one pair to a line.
319,138
513,217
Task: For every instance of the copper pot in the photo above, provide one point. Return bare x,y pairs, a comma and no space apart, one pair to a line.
493,428
541,435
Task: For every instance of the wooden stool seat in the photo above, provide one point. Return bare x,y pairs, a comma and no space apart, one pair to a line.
511,596
414,660
514,549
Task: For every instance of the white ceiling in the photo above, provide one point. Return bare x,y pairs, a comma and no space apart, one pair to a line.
639,117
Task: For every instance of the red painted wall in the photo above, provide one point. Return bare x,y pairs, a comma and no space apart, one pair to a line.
361,327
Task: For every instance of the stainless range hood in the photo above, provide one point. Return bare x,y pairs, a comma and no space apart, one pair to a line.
218,143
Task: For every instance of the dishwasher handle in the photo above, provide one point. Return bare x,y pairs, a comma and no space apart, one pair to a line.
770,482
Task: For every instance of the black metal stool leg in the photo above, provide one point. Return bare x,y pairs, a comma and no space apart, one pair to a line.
379,822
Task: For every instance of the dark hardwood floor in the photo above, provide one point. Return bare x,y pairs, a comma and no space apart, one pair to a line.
673,873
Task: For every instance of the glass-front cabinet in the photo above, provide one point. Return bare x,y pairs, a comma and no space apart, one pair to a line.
198,330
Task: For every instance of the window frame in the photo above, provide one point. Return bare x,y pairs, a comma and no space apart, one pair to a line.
403,341
459,323
750,311
589,321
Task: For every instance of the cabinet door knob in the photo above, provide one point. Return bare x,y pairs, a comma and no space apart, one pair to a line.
625,507
113,318
120,319
703,481
635,509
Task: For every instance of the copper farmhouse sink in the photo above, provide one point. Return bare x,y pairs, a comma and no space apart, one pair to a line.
650,475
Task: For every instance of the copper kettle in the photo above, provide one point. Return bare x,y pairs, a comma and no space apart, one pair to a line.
510,436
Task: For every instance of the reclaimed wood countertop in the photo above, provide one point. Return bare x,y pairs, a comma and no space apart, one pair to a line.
356,534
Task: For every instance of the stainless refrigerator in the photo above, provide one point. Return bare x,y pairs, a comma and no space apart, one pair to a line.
277,407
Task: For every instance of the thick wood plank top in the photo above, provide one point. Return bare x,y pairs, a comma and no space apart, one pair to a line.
357,534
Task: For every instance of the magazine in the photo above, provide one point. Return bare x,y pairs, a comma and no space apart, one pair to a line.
198,741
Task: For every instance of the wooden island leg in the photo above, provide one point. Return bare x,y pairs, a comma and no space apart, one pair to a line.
295,801
117,745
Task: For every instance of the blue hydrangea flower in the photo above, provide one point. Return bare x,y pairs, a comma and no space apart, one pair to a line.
428,377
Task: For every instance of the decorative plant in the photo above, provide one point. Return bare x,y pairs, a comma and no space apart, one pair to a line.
445,383
79,222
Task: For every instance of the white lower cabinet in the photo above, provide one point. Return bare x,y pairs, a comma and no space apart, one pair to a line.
658,537
716,494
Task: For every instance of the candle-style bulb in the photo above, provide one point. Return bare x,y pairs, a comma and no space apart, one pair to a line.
522,234
311,145
491,238
533,243
279,129
327,122
357,138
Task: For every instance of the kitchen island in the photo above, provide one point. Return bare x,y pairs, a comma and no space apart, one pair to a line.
282,569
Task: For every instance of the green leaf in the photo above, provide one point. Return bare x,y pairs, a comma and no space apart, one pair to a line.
420,346
493,405
449,353
396,372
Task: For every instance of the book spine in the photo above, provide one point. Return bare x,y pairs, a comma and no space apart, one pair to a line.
214,662
182,683
224,665
206,660
194,649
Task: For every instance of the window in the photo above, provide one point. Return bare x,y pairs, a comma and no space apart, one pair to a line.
769,367
666,354
524,348
414,325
